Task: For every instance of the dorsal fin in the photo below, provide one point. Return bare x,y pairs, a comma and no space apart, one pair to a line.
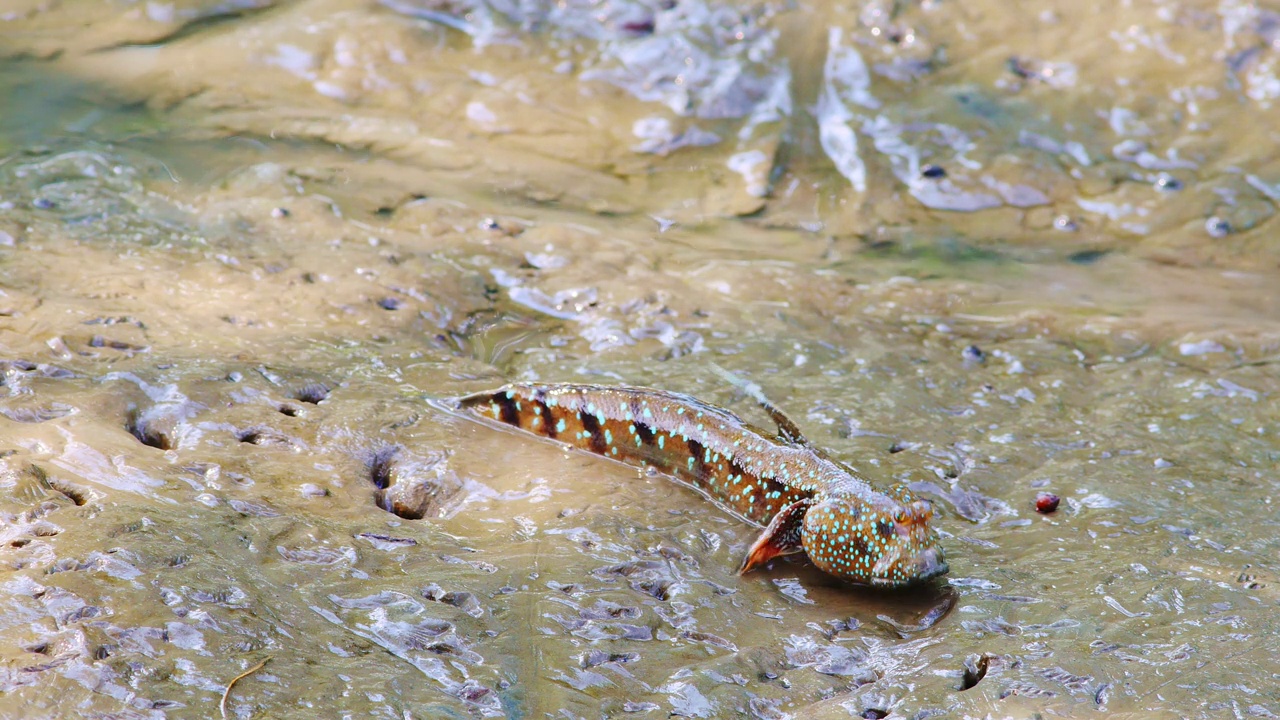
787,430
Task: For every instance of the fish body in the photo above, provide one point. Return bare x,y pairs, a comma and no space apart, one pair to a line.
806,500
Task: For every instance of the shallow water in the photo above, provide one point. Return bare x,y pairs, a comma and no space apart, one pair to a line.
984,252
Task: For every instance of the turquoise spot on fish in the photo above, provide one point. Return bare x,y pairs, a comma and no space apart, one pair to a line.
560,425
608,439
662,441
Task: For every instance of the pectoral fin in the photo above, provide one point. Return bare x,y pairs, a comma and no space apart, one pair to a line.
781,537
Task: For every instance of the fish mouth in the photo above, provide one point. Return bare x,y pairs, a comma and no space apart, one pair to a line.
927,565
931,564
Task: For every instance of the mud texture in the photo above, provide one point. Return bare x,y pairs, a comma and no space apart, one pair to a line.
999,254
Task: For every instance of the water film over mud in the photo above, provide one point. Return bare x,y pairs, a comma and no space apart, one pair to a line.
243,244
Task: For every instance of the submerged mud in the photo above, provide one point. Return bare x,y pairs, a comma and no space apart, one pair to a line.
243,245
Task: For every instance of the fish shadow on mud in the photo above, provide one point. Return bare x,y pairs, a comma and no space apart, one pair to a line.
904,611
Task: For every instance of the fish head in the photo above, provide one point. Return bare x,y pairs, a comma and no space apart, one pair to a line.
882,541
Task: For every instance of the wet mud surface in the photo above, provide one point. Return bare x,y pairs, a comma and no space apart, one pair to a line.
243,245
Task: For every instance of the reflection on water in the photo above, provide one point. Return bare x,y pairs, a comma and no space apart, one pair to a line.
986,252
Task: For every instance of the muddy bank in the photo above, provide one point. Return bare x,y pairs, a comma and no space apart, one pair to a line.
1027,131
234,274
202,436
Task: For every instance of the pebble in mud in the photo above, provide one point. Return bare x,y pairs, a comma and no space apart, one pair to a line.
1046,503
1248,581
464,601
1065,223
312,393
152,428
413,485
267,437
1217,227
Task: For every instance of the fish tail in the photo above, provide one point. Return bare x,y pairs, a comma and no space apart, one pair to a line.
506,405
518,406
